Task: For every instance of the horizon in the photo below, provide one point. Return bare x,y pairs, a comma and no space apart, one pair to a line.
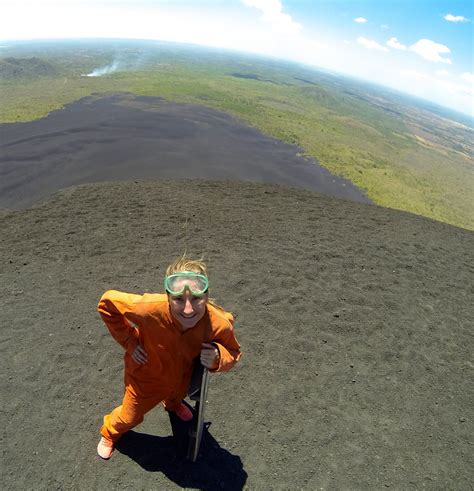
118,64
428,55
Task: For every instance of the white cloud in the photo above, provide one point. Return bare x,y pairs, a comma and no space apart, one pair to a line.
242,28
442,73
384,26
370,44
452,87
429,50
457,95
360,20
272,11
455,18
393,43
468,77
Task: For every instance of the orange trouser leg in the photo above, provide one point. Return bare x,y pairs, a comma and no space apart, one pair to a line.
176,398
128,415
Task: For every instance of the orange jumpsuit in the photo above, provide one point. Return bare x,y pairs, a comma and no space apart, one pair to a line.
146,319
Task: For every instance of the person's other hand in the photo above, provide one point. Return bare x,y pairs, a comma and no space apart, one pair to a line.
210,356
139,355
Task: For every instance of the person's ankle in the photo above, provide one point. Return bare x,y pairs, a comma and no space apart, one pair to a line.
183,412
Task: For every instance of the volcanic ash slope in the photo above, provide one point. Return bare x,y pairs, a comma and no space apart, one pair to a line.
354,321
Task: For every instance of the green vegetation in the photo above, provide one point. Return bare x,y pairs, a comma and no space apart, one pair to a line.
15,68
403,155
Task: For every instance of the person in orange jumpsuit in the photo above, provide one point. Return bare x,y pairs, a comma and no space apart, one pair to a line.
162,335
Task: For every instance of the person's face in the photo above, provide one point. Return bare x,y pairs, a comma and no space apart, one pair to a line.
187,308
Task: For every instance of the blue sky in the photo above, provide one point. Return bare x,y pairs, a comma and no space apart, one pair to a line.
422,47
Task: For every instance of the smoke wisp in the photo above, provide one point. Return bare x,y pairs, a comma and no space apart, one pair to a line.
131,60
104,70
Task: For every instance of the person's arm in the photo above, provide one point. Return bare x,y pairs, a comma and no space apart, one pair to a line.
228,347
112,308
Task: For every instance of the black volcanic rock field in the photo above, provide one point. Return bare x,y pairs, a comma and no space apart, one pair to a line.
355,322
122,137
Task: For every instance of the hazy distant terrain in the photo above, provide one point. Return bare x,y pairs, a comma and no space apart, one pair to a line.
406,154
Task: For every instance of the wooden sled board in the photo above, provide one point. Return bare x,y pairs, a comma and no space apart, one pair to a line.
188,434
197,426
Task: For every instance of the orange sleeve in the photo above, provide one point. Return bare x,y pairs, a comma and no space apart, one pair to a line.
112,308
228,346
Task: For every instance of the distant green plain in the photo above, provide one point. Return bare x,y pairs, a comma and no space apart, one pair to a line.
402,155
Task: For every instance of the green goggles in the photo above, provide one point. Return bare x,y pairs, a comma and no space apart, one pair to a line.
177,283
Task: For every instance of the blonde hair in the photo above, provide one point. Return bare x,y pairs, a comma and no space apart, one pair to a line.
196,266
184,264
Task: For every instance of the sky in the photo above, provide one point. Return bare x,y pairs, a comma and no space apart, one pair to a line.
421,47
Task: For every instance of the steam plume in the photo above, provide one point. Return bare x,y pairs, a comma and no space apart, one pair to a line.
104,70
